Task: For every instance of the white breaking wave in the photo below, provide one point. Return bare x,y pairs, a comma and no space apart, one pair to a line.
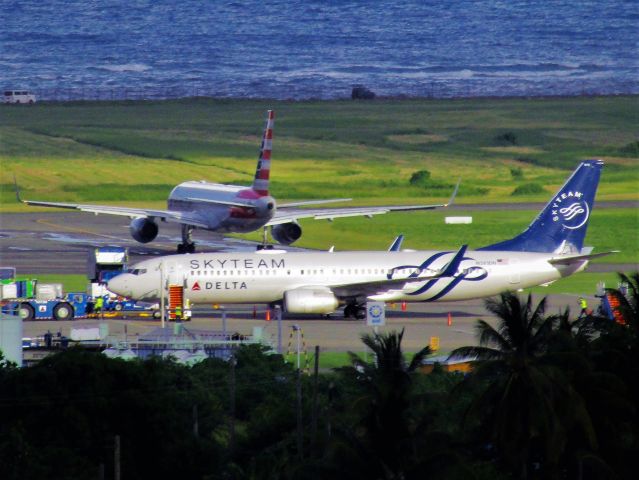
127,67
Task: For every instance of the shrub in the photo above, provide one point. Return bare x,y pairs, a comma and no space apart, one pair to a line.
506,138
420,178
517,173
631,149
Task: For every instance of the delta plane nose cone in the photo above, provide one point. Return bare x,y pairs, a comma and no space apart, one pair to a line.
120,285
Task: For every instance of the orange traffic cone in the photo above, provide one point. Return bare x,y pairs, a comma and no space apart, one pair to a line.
268,314
403,306
450,319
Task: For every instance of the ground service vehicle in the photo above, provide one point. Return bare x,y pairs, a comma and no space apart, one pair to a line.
73,305
18,96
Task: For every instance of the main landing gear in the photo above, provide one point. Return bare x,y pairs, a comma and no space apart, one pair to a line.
355,310
187,245
264,245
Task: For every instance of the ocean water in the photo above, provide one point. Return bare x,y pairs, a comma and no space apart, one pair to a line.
301,49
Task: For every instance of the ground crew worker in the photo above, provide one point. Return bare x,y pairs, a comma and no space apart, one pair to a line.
187,310
99,305
583,304
178,313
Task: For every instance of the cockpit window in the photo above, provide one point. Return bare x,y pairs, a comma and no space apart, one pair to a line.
138,271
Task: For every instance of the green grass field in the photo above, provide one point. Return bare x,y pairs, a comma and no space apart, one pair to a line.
133,153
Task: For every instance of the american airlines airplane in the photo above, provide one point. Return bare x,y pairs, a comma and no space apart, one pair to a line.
320,282
231,208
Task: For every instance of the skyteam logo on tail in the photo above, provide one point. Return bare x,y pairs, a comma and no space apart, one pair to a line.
571,210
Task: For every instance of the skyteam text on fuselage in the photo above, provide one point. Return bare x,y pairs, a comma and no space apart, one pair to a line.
319,282
231,208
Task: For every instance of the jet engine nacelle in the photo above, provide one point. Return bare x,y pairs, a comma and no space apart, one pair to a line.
144,230
310,300
286,233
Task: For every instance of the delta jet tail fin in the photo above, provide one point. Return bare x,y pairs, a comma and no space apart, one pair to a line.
561,225
263,170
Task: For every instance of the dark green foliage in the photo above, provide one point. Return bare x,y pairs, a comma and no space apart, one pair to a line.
552,397
528,189
420,178
506,138
546,396
517,173
631,149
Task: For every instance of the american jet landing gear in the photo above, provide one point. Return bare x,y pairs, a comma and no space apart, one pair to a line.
355,310
264,245
187,245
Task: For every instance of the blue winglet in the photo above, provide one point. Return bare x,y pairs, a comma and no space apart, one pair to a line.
397,243
452,267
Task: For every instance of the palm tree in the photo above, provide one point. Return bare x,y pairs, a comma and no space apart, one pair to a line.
379,444
525,406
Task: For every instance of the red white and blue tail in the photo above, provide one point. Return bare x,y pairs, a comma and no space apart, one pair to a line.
262,173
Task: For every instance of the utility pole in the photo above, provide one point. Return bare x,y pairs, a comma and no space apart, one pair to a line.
300,433
233,362
116,458
224,322
315,405
196,427
278,313
298,330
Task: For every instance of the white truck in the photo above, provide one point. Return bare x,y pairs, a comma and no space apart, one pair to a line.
18,96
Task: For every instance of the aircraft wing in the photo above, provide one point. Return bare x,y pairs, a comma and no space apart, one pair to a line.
186,218
166,215
287,213
379,287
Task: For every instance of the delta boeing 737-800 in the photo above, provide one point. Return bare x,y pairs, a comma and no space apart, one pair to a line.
320,282
231,208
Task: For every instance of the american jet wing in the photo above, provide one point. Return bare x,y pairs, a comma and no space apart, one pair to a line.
379,287
289,212
165,215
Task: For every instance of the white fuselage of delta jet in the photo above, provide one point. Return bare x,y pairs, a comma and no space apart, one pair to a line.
266,275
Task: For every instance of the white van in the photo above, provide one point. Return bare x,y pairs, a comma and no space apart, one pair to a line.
18,96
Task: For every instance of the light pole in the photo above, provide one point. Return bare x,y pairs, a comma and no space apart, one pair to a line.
278,314
298,330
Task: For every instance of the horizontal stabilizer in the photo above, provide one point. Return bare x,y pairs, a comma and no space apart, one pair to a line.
567,260
220,202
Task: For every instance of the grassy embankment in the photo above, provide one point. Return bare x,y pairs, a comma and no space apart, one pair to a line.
134,152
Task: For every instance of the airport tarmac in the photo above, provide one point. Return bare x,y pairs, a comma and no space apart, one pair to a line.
420,321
